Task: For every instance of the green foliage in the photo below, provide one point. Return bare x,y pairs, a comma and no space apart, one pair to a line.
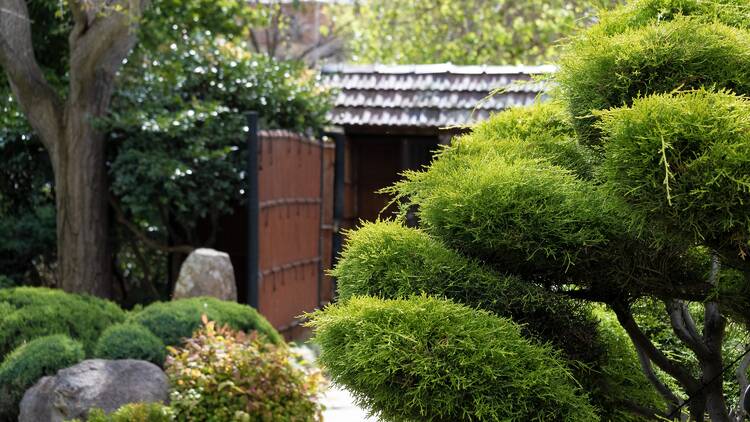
133,412
130,341
427,359
621,375
522,215
598,72
174,321
661,158
465,31
28,363
639,13
540,131
390,261
222,375
37,312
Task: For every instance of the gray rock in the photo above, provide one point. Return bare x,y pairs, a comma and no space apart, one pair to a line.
206,272
95,383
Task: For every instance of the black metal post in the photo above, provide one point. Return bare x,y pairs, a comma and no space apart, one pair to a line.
253,211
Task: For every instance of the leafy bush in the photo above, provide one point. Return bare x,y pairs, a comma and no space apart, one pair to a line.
177,320
28,363
388,260
178,135
222,375
661,158
599,72
427,359
134,412
37,312
130,341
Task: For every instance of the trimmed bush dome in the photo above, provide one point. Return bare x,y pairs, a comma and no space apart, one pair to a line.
35,312
388,260
130,341
24,366
172,322
428,359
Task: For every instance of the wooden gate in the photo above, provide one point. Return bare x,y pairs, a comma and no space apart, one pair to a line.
295,204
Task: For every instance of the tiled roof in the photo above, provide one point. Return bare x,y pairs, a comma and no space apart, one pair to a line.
427,95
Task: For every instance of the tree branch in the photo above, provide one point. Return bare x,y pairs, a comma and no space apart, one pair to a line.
640,340
648,370
742,380
39,102
684,326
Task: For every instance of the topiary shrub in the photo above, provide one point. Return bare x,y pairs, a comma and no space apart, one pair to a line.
177,320
599,71
428,359
661,158
28,363
134,412
533,217
36,312
130,341
388,260
221,375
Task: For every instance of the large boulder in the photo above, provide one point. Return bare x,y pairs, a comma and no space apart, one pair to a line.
206,272
96,383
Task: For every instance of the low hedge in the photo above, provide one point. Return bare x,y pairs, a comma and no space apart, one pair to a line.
33,312
28,363
130,341
428,359
388,260
174,321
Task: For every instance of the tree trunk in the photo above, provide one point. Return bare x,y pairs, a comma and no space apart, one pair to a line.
84,262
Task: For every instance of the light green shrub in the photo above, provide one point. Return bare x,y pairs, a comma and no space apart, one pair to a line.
38,312
177,320
428,359
660,157
599,72
130,341
28,363
221,375
134,412
388,260
522,215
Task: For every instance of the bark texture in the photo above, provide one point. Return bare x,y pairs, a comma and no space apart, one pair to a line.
102,36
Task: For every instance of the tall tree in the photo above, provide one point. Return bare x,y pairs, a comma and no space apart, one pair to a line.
101,37
463,31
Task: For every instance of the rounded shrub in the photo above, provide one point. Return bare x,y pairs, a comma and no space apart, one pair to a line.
23,367
133,412
540,131
36,312
221,375
660,157
523,215
428,359
599,72
175,321
390,261
130,341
